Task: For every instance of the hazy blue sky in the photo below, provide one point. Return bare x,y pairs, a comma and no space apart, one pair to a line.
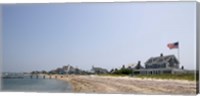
108,35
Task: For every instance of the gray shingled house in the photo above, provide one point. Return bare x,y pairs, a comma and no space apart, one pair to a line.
161,64
161,61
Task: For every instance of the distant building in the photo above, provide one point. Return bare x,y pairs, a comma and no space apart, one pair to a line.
98,70
69,69
135,66
52,72
60,71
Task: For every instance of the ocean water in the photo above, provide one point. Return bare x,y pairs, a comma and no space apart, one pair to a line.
35,85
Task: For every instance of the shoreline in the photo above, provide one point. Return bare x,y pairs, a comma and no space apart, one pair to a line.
36,85
127,85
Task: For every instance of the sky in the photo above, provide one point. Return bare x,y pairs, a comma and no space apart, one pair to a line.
107,35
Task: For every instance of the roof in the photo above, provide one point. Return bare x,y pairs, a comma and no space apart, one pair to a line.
161,59
69,67
135,66
98,68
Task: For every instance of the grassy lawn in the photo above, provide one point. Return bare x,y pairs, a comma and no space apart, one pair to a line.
188,76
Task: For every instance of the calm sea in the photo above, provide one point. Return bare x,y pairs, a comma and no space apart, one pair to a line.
35,85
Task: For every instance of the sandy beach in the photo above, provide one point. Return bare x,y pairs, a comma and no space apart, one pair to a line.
110,84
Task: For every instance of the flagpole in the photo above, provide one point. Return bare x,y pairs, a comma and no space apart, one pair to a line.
175,45
178,53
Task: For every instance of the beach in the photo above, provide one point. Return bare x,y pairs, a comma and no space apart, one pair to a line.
128,85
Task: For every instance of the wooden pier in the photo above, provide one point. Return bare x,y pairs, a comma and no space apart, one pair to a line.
32,76
41,76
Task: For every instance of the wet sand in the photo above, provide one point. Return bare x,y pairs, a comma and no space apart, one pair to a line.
128,85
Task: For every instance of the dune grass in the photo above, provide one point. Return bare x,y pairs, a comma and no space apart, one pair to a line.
185,76
114,75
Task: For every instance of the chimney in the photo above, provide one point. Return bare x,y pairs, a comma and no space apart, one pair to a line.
161,55
139,62
138,65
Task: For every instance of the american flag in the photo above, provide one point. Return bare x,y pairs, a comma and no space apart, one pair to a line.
173,45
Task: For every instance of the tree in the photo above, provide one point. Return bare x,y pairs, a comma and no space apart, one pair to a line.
125,71
123,67
112,70
44,72
129,67
33,72
138,65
